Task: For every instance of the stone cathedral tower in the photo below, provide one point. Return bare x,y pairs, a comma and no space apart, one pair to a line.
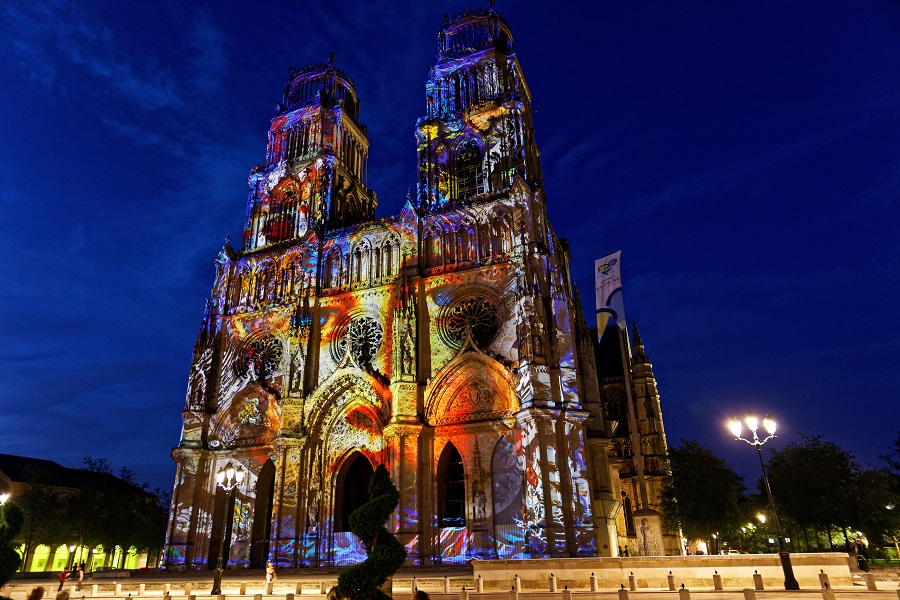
446,341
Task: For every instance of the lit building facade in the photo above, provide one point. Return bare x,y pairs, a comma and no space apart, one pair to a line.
447,342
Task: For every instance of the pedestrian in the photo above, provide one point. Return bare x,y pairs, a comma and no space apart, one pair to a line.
80,577
62,579
35,593
270,573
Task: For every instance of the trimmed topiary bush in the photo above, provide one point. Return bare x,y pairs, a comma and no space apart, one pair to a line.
385,553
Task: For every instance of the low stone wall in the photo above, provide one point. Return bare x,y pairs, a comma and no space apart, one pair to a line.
652,571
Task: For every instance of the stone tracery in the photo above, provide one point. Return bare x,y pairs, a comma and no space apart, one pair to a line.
330,334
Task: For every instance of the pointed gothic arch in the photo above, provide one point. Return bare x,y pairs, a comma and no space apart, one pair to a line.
451,488
508,496
471,387
352,489
262,516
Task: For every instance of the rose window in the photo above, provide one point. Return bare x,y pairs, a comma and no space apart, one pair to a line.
477,313
264,354
365,336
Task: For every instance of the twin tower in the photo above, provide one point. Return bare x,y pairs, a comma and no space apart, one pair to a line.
447,342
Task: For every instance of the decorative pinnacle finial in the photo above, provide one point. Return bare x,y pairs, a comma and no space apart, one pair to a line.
331,59
491,4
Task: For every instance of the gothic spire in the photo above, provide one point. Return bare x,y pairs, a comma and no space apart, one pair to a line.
639,354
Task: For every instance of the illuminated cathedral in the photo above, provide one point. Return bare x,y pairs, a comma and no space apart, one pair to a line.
447,342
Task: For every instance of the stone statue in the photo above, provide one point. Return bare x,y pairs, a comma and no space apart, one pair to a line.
478,503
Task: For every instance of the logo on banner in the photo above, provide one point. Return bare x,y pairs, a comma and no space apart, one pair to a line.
604,269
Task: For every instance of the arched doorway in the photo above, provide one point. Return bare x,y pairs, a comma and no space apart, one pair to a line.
451,489
507,482
451,542
262,516
352,489
223,518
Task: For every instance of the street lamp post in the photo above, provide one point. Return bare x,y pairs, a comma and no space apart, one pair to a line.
752,423
227,478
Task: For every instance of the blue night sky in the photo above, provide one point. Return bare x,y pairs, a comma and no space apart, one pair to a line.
744,155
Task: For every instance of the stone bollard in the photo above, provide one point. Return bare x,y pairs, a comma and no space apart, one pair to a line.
257,596
464,594
192,597
671,579
446,585
288,596
118,591
221,597
167,589
269,586
749,594
717,581
94,589
552,582
684,593
413,585
623,593
479,585
298,589
567,593
594,586
141,589
632,582
827,592
514,594
517,583
322,588
870,582
757,581
823,580
187,589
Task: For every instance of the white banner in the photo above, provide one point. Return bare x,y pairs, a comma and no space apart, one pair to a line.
608,287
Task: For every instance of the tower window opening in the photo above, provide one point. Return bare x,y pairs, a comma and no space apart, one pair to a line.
468,172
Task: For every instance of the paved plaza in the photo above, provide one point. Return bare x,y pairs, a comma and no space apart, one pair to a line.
441,583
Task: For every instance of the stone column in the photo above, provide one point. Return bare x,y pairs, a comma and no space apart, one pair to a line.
403,445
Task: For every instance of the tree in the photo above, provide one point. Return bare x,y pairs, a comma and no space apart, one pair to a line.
11,520
703,495
45,519
892,458
385,553
110,511
813,483
875,501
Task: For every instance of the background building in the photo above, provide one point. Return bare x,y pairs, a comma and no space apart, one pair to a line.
78,515
446,341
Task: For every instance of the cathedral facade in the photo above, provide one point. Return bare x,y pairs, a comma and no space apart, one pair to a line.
447,342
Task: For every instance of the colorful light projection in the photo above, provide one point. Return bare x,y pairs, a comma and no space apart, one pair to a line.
331,335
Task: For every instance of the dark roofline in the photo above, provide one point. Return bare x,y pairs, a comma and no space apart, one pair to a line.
26,470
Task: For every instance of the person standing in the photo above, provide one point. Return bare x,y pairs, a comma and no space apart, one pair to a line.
62,579
80,577
270,577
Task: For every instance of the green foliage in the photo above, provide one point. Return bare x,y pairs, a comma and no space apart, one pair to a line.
385,553
11,520
814,482
703,495
104,511
892,458
876,506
